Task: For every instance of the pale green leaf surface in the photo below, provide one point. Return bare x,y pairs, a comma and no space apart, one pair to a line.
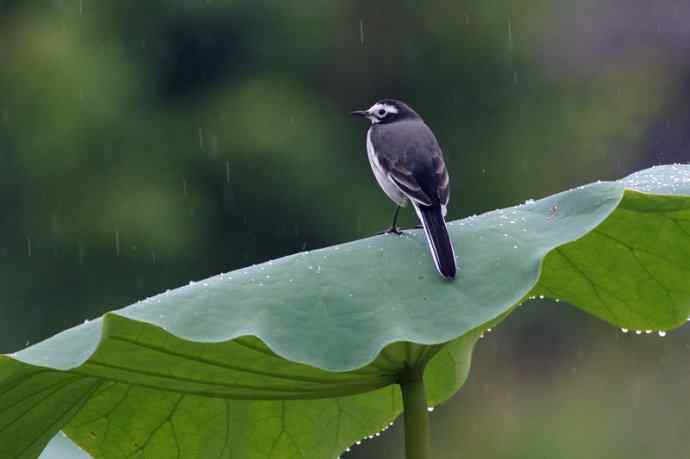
298,357
61,447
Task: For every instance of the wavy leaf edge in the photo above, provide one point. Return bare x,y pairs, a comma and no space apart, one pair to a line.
32,358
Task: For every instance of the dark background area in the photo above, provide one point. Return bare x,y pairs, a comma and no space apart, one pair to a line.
147,144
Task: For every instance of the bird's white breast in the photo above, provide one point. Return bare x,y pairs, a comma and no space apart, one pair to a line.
391,190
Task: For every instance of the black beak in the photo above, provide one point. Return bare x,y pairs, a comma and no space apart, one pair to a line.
360,113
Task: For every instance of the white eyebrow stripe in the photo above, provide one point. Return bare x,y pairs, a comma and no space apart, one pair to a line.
387,107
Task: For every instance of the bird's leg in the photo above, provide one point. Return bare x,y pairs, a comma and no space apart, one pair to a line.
394,227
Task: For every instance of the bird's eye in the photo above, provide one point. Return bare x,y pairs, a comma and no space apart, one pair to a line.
381,112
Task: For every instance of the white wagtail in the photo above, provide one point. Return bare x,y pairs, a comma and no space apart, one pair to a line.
408,164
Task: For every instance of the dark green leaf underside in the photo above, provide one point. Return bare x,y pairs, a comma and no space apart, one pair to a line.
298,357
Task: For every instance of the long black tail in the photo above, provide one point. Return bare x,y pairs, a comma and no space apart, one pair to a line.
437,236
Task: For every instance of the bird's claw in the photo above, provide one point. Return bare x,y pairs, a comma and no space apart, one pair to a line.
392,230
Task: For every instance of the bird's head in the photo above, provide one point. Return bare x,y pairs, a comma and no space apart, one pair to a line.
387,111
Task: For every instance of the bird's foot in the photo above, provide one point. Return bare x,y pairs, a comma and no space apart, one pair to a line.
392,230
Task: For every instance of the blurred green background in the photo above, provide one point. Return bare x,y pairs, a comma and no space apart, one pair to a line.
144,144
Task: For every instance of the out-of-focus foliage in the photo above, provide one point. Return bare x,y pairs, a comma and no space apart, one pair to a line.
144,144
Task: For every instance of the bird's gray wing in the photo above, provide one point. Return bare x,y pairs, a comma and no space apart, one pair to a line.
412,159
441,175
422,176
405,179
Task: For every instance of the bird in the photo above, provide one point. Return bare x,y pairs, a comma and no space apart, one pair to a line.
408,164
